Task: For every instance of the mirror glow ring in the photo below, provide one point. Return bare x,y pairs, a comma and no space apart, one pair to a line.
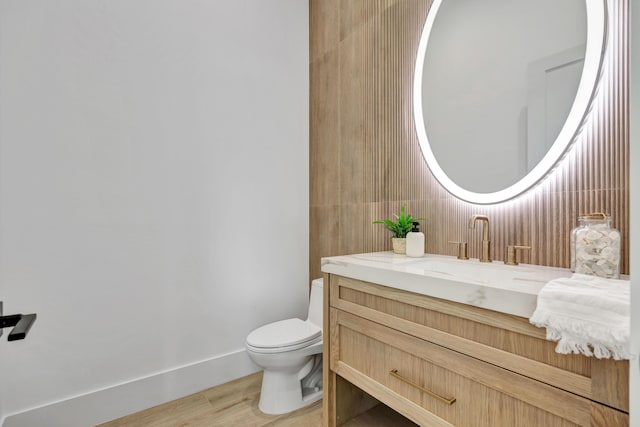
596,41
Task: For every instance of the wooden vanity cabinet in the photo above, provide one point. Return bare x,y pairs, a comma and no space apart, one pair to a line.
440,363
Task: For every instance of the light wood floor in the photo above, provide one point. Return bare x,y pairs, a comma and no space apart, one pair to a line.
235,404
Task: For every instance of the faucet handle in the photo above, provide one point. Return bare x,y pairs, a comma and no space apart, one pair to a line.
462,249
511,253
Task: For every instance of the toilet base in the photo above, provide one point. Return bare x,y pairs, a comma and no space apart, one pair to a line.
284,392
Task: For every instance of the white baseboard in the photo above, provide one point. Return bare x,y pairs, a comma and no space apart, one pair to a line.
113,402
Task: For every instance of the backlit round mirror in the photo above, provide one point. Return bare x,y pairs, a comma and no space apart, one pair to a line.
501,89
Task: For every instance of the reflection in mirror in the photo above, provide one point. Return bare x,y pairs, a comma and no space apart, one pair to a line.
501,89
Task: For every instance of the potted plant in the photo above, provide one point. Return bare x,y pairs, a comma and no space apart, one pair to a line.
400,227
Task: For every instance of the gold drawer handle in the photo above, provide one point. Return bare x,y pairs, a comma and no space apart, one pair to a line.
448,400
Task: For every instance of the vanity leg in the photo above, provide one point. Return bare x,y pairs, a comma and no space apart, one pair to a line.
329,417
328,377
341,400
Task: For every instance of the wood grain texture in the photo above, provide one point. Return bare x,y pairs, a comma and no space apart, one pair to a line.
486,394
366,161
328,377
503,340
231,404
610,382
493,318
380,416
236,404
410,409
529,367
602,416
353,401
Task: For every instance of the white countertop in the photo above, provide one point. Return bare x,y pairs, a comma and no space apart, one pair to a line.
494,286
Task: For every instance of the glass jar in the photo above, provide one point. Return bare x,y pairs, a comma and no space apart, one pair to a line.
595,246
572,241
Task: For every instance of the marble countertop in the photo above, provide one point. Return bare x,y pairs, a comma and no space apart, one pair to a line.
494,286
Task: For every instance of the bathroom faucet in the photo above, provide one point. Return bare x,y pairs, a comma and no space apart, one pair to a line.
486,243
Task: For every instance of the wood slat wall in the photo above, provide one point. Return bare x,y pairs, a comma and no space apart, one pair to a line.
365,160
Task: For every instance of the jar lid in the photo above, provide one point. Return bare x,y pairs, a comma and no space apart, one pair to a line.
595,215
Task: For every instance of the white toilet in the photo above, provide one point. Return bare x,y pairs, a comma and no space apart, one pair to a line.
290,352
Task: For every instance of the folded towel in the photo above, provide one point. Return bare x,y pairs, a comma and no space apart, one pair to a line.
586,314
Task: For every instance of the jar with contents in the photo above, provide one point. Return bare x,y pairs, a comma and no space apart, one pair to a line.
572,241
595,246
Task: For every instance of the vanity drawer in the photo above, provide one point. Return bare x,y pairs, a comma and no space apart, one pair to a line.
417,378
500,339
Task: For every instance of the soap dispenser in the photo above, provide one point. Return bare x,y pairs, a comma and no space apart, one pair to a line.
415,242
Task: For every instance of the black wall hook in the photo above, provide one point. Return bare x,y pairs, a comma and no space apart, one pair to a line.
21,323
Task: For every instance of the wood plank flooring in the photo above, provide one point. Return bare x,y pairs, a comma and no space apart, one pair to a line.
235,404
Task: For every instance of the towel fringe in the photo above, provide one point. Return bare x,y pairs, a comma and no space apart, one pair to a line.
575,338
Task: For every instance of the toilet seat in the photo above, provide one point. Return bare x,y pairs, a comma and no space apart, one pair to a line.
284,335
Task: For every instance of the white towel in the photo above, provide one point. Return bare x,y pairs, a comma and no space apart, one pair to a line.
586,314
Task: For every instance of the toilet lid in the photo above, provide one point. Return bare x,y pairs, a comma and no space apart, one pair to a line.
285,333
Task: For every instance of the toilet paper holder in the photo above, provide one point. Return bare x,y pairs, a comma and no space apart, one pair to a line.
21,324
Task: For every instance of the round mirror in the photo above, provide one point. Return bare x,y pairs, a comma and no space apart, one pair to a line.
501,89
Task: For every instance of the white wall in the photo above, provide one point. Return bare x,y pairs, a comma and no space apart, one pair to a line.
634,217
153,191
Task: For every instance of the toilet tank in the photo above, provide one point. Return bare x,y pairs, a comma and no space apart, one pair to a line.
315,303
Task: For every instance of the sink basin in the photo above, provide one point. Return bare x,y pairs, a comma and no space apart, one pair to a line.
474,271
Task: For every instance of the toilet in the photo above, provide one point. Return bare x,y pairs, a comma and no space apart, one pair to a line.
290,352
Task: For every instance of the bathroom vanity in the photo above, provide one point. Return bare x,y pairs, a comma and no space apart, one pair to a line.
448,343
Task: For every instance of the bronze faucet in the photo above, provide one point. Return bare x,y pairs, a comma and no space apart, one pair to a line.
511,253
486,243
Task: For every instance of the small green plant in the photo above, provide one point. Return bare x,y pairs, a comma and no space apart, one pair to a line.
402,225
